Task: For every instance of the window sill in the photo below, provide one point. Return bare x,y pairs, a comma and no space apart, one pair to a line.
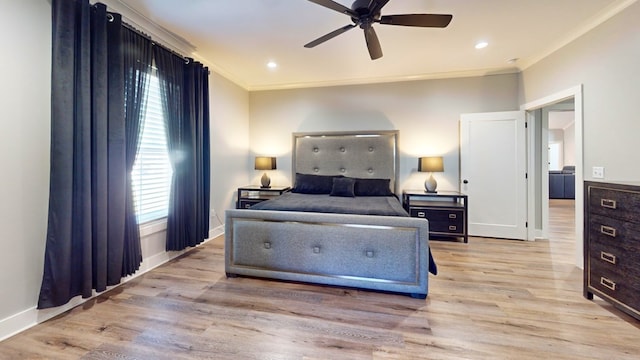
152,227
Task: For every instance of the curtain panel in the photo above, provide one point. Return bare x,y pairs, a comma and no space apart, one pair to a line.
185,100
137,59
90,233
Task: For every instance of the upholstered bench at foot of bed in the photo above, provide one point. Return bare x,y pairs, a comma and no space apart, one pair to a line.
371,252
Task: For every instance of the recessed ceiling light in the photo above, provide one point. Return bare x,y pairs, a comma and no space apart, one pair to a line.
272,65
482,45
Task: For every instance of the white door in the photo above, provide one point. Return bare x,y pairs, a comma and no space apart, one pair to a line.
493,173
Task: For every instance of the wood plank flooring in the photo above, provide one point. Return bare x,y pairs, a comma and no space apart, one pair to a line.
492,299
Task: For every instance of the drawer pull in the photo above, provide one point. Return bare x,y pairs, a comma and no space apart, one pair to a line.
421,214
453,216
608,203
608,257
608,230
453,227
607,283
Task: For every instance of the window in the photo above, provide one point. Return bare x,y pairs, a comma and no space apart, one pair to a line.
152,171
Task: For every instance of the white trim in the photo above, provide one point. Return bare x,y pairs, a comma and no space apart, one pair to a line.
575,93
387,79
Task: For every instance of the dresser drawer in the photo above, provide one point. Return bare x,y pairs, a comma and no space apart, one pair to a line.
620,204
619,286
614,232
616,258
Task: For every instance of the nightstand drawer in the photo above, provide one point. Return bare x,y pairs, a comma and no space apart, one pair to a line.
449,221
245,204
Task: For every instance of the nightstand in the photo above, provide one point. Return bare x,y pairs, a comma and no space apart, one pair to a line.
252,194
445,210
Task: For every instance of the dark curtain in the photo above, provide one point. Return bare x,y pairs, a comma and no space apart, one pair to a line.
85,244
196,103
185,101
137,59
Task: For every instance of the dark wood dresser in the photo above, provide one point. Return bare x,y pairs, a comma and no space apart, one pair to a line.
612,244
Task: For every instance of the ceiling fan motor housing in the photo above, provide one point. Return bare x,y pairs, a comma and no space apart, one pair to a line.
361,7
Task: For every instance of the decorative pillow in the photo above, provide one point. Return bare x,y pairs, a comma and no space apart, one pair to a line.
313,184
372,187
343,186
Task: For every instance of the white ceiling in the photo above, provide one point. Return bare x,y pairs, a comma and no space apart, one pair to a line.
238,37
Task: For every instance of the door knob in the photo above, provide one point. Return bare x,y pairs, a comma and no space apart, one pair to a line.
465,181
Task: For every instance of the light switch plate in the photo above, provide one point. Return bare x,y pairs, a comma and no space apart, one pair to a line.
598,172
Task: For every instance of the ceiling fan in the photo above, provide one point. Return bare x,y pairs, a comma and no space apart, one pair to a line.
364,13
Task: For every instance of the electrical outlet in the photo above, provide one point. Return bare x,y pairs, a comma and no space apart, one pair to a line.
598,172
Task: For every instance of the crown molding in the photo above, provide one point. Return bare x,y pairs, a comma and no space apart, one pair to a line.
388,79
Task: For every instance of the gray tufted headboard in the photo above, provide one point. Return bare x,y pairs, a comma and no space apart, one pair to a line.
364,154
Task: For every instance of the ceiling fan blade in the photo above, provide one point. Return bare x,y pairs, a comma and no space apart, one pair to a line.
377,5
421,20
335,6
330,35
373,44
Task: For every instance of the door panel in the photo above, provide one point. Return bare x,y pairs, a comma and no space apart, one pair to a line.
493,173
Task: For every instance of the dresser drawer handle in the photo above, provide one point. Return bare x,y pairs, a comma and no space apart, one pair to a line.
453,216
608,283
608,230
453,227
608,203
421,214
608,257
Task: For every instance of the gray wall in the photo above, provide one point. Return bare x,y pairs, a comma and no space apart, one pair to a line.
229,144
425,112
605,61
24,151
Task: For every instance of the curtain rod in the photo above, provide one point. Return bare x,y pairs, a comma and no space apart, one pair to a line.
153,42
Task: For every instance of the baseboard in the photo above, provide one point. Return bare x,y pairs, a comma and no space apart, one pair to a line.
215,232
26,319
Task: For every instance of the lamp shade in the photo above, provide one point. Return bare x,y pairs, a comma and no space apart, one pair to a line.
265,163
430,164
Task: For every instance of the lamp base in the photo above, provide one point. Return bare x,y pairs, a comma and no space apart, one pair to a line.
430,184
265,181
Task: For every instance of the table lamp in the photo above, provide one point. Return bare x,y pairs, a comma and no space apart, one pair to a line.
430,164
265,163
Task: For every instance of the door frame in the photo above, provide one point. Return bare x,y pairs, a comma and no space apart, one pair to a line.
575,93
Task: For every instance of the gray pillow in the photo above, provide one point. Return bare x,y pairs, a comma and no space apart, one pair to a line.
313,184
372,187
343,187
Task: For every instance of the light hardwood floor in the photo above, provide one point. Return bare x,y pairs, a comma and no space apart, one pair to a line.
492,299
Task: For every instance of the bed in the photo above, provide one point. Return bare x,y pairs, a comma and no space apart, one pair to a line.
321,238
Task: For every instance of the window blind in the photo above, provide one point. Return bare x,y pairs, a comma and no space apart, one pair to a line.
151,175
